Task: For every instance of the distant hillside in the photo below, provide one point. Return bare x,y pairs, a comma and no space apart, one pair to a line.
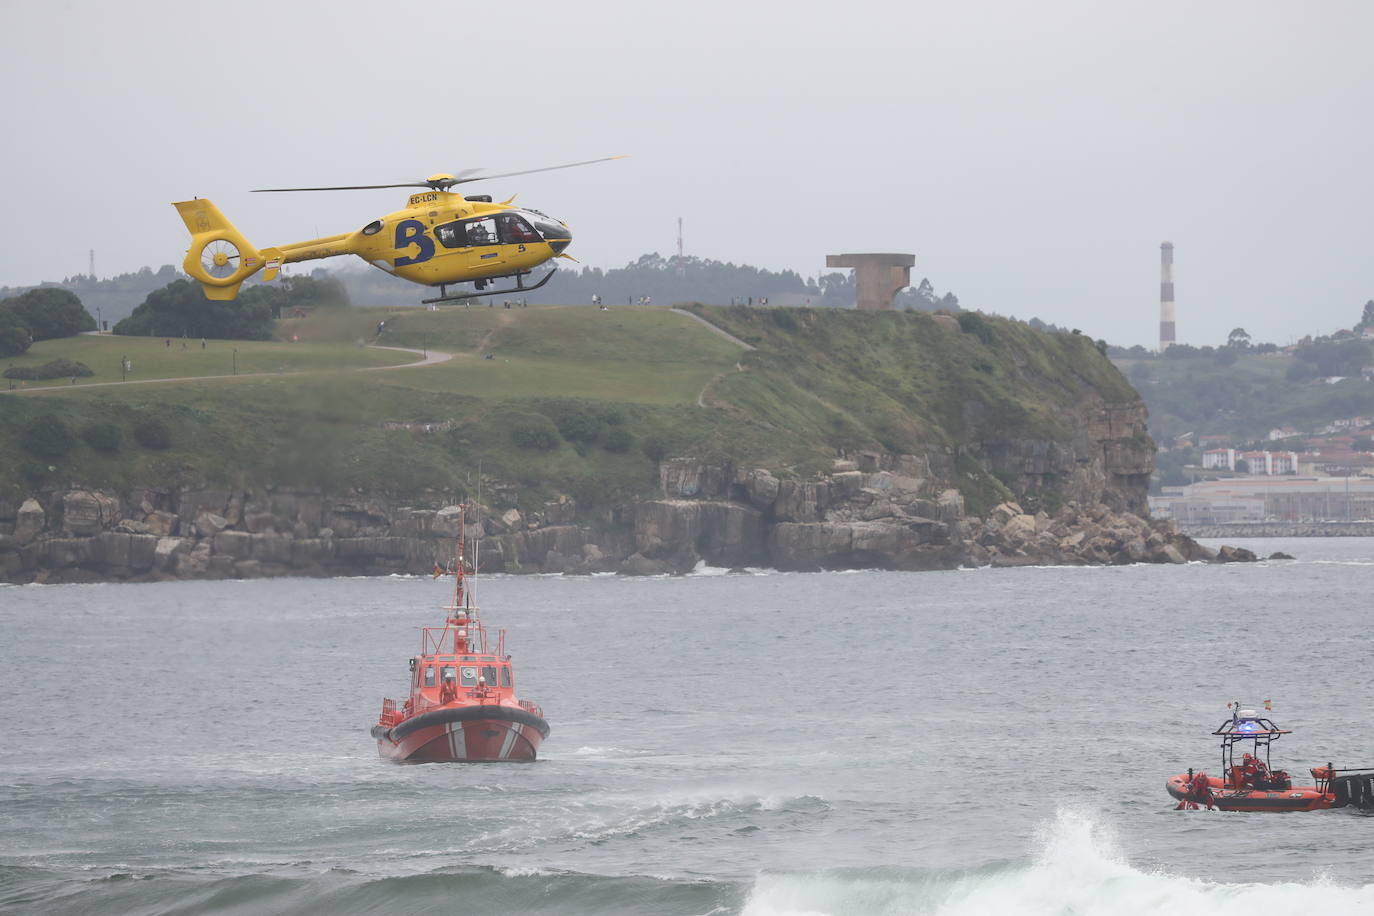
1244,391
113,298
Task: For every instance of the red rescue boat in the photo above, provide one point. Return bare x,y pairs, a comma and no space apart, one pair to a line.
462,704
1251,784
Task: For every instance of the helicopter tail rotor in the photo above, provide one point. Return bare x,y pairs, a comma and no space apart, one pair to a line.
219,256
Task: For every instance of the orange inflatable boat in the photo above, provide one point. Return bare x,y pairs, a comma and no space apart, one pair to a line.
1250,783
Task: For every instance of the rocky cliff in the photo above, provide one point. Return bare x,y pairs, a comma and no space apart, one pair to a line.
863,515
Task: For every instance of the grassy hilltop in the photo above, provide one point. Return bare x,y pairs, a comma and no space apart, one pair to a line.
558,399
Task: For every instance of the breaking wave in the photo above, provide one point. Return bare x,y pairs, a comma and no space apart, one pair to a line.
1077,870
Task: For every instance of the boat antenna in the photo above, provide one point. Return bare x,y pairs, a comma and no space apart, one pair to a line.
460,564
477,545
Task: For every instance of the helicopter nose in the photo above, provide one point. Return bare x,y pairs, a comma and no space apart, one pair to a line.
555,233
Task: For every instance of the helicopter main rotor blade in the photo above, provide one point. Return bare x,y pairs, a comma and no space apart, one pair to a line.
440,183
348,187
547,168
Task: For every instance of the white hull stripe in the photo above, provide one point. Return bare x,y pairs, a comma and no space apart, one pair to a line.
457,740
511,734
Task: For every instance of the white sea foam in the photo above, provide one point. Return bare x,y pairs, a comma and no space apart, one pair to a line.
607,751
1078,870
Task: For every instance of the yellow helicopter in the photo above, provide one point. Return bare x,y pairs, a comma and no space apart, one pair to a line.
440,238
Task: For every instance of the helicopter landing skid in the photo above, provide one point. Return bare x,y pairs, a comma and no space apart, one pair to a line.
519,287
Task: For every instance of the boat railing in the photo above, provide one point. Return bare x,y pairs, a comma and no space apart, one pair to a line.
390,714
443,640
534,708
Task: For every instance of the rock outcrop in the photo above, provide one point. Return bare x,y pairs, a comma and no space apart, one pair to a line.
873,511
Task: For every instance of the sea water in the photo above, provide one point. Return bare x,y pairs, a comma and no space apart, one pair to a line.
979,741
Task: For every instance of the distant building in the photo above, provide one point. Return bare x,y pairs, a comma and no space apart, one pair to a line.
1215,458
1258,463
1257,499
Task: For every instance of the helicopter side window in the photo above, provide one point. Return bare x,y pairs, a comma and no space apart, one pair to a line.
480,231
514,229
449,236
467,233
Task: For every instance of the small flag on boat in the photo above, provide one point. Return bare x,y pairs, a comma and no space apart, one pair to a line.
1268,705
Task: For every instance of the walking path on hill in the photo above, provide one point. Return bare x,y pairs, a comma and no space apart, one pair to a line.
428,358
723,333
739,367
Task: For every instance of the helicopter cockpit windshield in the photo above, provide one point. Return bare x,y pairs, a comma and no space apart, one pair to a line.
554,231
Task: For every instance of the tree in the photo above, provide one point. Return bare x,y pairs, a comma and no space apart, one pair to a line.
1238,339
14,333
1367,319
180,309
50,313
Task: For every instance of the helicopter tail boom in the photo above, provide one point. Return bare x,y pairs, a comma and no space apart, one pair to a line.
219,256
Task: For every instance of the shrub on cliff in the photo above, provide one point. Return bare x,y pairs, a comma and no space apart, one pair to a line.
618,439
974,323
534,431
153,433
47,437
654,448
577,424
103,437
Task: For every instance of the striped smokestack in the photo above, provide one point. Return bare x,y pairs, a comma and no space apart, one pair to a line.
1166,296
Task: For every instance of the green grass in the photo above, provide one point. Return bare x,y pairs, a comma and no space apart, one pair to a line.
152,358
819,380
335,430
902,380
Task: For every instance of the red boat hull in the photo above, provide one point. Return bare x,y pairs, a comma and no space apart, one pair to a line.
1298,798
457,734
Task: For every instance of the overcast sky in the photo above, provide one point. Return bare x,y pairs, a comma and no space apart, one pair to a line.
1032,155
